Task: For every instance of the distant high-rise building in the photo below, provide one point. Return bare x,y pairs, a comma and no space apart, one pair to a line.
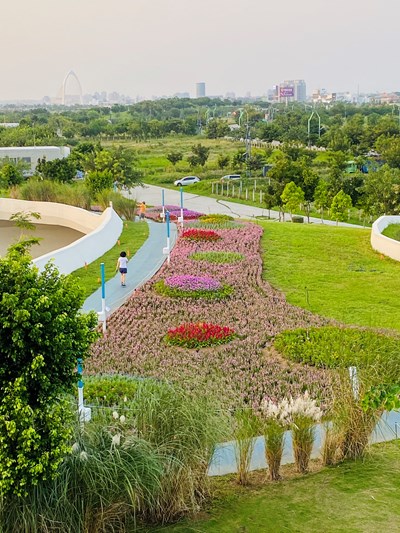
292,91
200,89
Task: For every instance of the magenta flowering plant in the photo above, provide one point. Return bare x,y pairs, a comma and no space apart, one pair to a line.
174,212
199,335
187,285
187,282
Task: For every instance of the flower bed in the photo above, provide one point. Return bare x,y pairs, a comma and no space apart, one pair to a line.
217,257
185,285
195,234
199,335
237,371
154,213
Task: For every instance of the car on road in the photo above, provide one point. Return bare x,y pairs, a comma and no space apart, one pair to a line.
187,180
231,177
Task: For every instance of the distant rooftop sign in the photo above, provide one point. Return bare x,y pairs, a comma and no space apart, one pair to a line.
286,92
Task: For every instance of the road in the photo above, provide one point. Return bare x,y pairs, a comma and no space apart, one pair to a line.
152,195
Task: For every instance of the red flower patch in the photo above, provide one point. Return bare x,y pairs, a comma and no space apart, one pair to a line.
195,234
199,335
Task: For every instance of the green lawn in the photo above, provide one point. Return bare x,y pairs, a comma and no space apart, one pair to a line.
334,272
351,497
131,239
392,231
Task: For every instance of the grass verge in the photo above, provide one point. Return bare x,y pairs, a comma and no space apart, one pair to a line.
133,235
352,497
333,271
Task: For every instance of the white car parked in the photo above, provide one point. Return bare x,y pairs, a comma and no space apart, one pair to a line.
187,180
230,177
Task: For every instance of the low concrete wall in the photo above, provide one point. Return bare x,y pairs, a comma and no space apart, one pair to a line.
381,243
102,231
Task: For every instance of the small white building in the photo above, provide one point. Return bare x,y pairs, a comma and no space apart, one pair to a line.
31,154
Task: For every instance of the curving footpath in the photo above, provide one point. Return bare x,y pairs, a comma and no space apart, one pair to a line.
143,265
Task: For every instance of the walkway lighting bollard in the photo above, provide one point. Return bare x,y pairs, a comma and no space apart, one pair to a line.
85,413
180,219
167,249
354,381
103,313
163,205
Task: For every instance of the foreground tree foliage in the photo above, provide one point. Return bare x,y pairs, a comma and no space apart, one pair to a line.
42,332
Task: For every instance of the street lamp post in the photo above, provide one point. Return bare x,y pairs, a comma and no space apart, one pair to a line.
398,107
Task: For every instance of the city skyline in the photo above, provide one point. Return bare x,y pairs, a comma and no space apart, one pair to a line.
162,47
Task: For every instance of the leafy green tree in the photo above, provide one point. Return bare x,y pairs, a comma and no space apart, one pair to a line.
322,198
119,161
223,161
389,148
174,157
341,203
62,170
99,180
217,129
23,220
292,196
380,192
199,155
42,332
11,174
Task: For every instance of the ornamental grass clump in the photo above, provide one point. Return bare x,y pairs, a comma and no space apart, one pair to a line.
245,429
302,414
274,424
195,234
199,335
352,422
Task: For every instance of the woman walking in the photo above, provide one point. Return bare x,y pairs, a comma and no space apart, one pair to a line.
122,266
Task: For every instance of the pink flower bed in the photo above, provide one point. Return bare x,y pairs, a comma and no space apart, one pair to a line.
239,371
174,212
187,282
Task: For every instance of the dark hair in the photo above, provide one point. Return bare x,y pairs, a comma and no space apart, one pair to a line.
122,254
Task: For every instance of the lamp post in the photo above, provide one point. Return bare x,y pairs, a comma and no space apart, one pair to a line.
163,204
314,112
167,249
398,107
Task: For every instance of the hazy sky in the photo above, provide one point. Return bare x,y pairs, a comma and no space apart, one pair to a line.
161,47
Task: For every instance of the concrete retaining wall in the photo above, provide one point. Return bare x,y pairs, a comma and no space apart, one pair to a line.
381,243
101,231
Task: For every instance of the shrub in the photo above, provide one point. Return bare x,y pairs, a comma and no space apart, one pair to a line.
124,207
297,219
199,335
335,347
215,219
195,234
146,463
109,390
217,257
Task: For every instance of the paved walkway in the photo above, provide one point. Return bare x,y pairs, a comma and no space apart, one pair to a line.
152,195
143,265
